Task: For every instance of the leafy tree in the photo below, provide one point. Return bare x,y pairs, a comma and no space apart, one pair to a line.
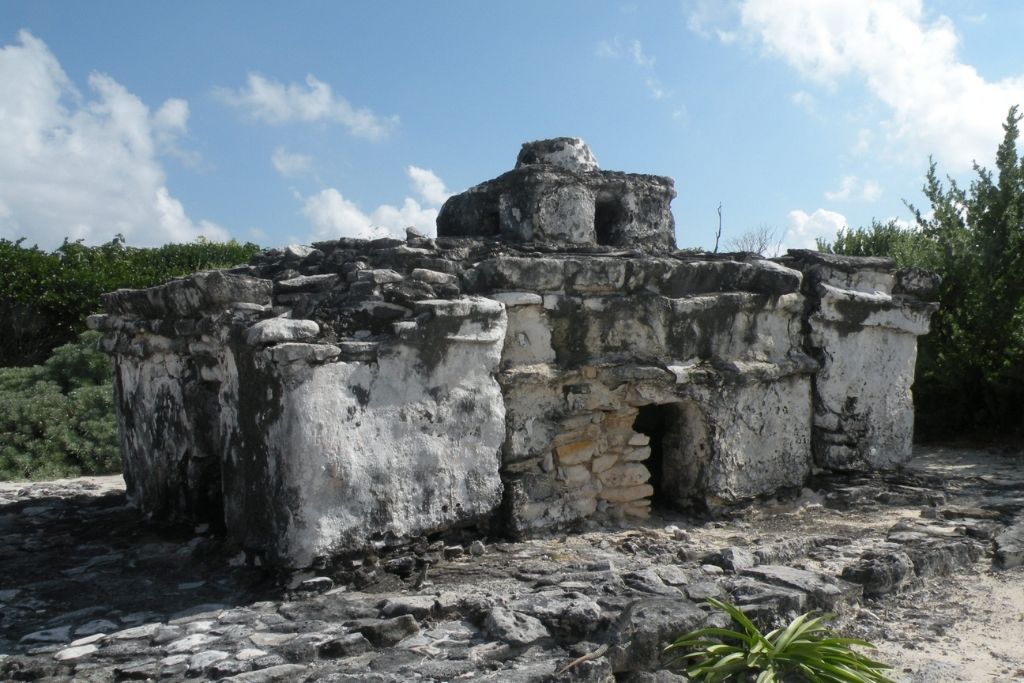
970,372
47,295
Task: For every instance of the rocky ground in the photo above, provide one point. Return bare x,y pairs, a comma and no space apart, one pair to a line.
925,562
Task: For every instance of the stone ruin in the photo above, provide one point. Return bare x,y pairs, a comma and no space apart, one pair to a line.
549,358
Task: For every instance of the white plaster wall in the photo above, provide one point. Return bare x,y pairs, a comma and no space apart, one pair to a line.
400,447
865,408
154,430
761,437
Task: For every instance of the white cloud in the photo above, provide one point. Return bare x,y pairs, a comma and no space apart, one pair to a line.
938,104
805,101
289,164
805,228
703,16
726,37
864,140
612,49
277,103
427,185
609,49
870,191
639,58
852,187
84,168
331,215
846,188
655,88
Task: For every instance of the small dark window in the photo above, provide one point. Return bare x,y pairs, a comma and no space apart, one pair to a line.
490,224
607,218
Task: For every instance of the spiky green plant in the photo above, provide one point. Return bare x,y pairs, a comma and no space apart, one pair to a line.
805,650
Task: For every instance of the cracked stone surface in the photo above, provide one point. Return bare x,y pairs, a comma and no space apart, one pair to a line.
90,593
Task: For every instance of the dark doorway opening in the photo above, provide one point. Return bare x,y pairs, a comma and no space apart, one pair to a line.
607,218
680,453
654,421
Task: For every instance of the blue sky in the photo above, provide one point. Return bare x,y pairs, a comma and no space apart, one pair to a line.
293,122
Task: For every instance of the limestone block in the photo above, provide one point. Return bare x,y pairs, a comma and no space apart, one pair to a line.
572,154
862,309
714,447
307,283
574,474
640,509
189,296
511,273
564,213
167,421
379,276
625,494
304,353
433,277
274,330
636,454
511,299
595,275
637,439
576,452
625,475
528,340
604,462
579,422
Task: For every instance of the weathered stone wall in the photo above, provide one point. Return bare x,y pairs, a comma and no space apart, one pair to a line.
865,338
555,366
361,452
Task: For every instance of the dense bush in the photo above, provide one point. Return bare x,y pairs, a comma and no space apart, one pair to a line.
970,370
57,419
47,295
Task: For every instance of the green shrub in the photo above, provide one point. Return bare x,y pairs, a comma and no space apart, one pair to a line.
805,650
57,419
47,295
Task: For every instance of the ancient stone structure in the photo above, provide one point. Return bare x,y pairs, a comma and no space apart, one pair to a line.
548,358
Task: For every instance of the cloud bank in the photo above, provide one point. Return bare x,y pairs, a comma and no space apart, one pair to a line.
85,168
938,104
275,103
331,215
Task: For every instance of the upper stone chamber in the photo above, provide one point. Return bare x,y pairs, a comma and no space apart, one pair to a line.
558,195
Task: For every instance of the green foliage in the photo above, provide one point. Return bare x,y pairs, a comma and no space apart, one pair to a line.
970,371
47,295
57,419
805,650
907,247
